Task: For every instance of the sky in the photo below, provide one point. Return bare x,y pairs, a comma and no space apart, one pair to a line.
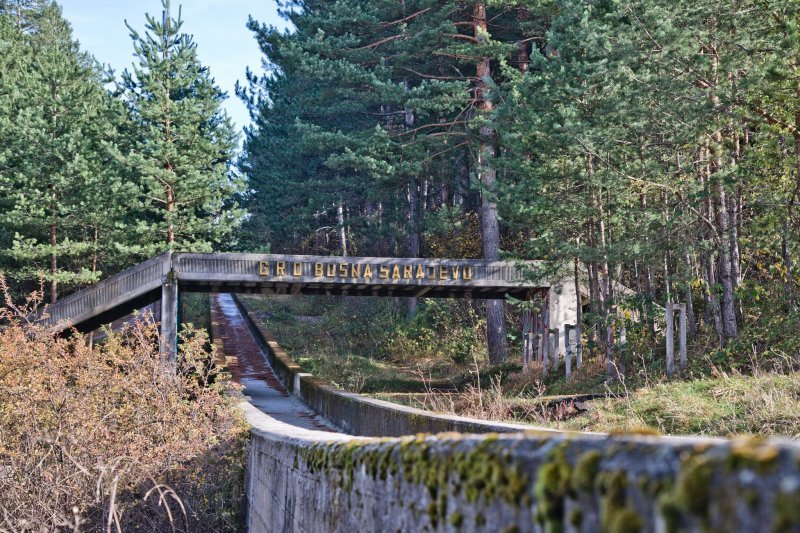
224,44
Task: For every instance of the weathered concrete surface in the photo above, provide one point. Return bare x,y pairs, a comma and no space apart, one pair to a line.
110,299
302,479
296,274
247,364
304,274
521,483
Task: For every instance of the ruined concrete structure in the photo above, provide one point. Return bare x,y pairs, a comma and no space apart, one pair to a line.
482,476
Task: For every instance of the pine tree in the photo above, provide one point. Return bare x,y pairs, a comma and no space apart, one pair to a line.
56,124
183,146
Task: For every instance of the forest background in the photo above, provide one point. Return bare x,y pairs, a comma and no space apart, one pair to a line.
632,144
655,147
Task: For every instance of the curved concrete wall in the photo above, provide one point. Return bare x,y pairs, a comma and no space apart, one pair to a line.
518,483
538,481
359,415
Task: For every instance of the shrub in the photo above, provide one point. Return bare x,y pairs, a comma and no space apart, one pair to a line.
111,437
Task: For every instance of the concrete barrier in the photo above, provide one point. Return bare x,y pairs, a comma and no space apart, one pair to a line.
359,415
538,481
518,483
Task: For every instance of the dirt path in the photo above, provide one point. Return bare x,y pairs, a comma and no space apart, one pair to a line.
249,366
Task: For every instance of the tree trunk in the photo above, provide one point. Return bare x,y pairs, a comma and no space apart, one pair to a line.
341,228
414,211
578,319
53,231
523,54
709,270
170,193
413,233
490,226
648,285
461,188
688,296
611,365
730,328
53,263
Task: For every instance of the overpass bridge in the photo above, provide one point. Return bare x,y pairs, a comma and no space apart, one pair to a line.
164,277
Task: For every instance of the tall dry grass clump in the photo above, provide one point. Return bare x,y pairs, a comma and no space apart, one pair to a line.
109,439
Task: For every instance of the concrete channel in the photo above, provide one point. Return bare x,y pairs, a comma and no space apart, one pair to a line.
324,460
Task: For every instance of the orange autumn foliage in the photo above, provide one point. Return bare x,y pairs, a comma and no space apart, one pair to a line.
109,438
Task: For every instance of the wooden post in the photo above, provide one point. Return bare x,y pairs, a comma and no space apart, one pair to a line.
567,351
682,335
527,350
670,340
527,338
169,318
524,351
545,341
556,341
546,336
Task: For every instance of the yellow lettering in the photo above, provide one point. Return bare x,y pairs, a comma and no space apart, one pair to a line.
396,272
431,272
355,271
368,271
384,272
280,268
442,272
467,274
454,272
263,268
318,270
343,270
420,272
331,270
297,269
408,272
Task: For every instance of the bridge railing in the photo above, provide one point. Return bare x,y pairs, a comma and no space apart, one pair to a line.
107,294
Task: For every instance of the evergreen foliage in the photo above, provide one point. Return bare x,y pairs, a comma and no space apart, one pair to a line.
651,148
58,179
183,143
92,181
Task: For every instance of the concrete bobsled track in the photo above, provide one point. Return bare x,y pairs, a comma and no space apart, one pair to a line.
324,460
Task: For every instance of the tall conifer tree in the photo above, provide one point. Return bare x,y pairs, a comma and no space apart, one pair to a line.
56,123
184,143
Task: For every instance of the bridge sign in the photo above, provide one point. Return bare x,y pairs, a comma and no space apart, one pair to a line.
368,276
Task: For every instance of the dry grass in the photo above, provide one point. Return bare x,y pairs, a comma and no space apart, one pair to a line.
496,402
108,439
725,405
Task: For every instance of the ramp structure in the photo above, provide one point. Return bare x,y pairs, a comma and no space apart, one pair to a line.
164,277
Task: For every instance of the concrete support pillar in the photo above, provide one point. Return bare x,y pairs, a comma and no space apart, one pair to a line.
556,338
568,328
169,318
671,308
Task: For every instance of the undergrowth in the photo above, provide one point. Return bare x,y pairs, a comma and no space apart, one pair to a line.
437,360
372,345
114,438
